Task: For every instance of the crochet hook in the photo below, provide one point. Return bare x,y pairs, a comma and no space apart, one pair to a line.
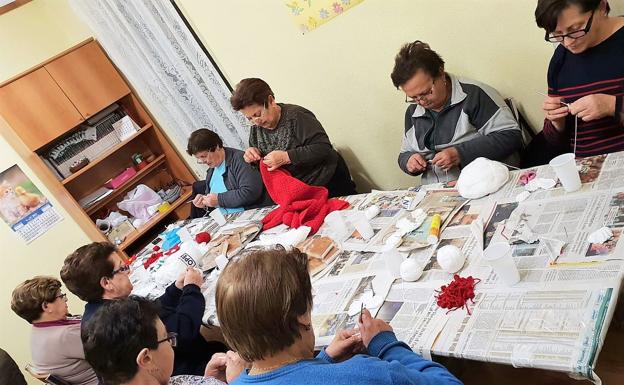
562,103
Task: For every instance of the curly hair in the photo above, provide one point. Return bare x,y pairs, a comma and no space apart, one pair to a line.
28,298
413,57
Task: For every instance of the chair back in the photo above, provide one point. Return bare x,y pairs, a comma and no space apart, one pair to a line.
46,378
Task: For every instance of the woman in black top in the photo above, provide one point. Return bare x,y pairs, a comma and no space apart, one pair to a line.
290,136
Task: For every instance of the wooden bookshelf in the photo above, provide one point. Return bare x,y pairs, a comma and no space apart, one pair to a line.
58,96
106,154
184,196
126,185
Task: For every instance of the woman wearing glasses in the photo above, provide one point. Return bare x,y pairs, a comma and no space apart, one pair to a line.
55,342
450,121
585,75
289,136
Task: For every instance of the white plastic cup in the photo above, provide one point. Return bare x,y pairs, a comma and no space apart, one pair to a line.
362,225
393,260
565,168
498,256
218,216
337,224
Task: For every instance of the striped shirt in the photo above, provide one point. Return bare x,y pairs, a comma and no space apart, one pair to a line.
598,70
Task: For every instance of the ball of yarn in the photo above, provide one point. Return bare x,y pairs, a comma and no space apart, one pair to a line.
450,258
411,270
203,237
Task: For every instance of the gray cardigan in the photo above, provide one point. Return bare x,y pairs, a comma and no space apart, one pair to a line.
244,183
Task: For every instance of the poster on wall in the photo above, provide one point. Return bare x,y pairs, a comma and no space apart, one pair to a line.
310,14
23,207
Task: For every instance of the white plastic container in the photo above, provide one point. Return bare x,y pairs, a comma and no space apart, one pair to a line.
565,168
498,256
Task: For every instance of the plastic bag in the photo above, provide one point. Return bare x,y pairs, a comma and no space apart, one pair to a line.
139,202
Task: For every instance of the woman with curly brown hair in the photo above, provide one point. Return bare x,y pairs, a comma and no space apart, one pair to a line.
55,342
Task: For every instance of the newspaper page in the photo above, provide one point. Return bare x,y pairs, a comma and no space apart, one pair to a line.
336,297
551,329
414,315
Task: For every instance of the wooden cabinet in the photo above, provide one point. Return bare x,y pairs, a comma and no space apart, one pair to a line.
88,79
37,109
47,105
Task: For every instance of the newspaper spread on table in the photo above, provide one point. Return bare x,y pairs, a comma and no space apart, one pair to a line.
555,318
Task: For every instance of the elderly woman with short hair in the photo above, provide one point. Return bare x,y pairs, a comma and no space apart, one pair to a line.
55,342
290,137
264,303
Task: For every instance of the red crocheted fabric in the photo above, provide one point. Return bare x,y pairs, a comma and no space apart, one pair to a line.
299,204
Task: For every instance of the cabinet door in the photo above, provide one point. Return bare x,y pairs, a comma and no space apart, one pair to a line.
88,79
37,109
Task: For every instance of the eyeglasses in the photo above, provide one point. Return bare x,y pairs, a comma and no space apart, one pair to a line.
122,269
62,295
416,99
252,119
572,35
171,337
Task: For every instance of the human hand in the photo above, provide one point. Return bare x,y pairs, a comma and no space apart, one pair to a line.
276,159
234,366
198,201
252,154
416,163
370,327
217,367
345,344
180,280
211,200
555,111
592,107
447,158
193,276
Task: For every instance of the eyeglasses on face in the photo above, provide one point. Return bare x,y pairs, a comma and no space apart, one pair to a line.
172,338
572,35
417,98
122,269
258,114
62,295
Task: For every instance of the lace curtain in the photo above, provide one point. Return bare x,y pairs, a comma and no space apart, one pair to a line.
148,41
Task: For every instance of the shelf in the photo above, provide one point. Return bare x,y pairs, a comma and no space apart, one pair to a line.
119,190
105,154
184,196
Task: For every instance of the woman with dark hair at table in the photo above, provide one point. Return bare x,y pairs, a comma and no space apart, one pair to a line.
585,75
55,343
264,304
290,136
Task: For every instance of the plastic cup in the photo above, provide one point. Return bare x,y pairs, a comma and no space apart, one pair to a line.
218,216
362,225
337,224
498,256
565,168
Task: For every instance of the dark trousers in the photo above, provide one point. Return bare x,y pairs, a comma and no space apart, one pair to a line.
341,183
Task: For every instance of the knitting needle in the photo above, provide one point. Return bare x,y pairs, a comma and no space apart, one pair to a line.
562,103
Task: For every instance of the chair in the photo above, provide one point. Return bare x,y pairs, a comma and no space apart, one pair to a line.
46,378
